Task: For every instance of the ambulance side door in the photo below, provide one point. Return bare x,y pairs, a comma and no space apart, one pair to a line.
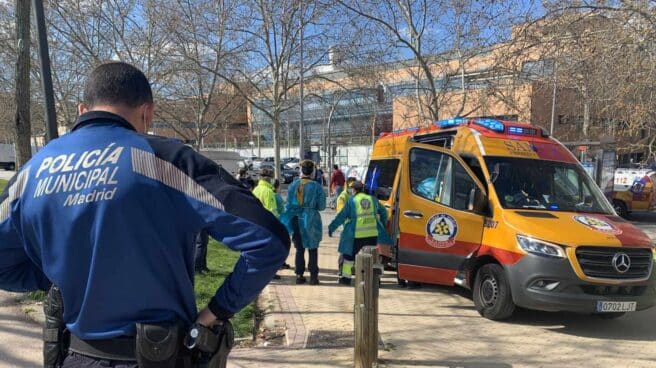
380,182
438,229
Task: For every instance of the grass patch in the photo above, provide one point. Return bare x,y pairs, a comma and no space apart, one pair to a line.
220,261
37,296
3,184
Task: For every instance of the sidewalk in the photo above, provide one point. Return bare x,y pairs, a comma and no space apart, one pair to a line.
438,327
318,319
20,338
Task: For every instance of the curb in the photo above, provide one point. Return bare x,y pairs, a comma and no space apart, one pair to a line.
281,315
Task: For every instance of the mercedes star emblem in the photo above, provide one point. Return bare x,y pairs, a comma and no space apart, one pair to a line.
621,262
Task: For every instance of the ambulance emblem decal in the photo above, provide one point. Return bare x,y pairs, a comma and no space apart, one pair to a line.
598,224
441,231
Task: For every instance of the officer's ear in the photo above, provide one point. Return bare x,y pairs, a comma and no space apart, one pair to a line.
82,108
148,111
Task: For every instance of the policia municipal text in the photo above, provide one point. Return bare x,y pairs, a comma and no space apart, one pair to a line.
124,260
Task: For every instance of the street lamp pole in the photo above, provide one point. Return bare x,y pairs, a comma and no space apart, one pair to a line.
46,75
301,130
553,101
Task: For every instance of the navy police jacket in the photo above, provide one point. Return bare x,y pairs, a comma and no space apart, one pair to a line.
110,216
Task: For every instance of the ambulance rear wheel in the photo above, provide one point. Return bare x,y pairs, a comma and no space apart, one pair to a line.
492,297
620,208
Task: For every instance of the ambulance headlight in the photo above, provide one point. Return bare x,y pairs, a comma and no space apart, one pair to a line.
539,247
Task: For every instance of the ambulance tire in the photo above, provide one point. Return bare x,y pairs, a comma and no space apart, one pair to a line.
492,297
620,208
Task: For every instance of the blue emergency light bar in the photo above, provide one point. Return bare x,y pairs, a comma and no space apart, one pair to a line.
492,124
450,123
522,131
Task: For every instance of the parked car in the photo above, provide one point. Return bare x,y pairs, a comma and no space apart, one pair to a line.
256,163
291,162
248,160
287,175
230,161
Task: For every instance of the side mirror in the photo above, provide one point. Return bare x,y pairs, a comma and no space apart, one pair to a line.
477,201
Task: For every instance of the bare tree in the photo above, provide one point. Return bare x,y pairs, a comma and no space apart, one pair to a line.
441,39
265,66
22,123
602,62
198,102
83,34
615,45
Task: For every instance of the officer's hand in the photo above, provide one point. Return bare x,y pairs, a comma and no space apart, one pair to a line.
207,318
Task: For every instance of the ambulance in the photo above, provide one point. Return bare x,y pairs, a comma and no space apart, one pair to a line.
633,190
505,210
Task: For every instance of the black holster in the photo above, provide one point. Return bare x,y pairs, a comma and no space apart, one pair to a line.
56,338
210,347
158,345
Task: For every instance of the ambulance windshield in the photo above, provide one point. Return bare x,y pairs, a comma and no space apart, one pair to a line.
545,185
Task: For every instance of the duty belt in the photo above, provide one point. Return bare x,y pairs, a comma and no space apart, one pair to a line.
118,348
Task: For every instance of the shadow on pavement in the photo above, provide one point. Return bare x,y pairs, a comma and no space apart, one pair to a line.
648,217
637,326
478,363
7,359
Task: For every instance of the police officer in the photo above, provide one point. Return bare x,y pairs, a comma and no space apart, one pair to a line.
110,214
364,219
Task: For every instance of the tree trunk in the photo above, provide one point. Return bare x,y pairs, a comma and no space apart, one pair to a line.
329,143
586,112
225,136
22,127
276,144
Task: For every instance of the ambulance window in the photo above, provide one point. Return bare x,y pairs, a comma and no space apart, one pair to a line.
380,178
430,175
463,185
475,167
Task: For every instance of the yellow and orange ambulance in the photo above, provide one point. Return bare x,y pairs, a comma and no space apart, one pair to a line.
502,208
632,190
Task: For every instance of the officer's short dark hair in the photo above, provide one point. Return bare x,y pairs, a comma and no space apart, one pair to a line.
117,83
357,186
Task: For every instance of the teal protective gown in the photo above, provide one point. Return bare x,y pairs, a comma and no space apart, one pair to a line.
309,218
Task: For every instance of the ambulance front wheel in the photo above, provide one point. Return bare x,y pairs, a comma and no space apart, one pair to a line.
492,296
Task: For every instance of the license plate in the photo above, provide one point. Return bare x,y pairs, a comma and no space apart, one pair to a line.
610,307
